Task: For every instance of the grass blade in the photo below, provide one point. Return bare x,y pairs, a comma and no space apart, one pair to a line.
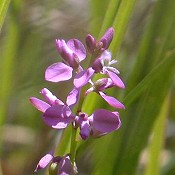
3,10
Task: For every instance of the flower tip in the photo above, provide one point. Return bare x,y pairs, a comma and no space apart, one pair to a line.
122,107
122,86
84,137
90,42
111,29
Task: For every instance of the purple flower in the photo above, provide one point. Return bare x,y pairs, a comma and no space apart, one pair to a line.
101,65
100,123
98,47
83,122
103,122
102,84
72,52
63,164
55,113
73,97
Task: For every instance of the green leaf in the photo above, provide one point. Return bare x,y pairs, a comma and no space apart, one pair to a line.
157,140
110,14
120,23
3,10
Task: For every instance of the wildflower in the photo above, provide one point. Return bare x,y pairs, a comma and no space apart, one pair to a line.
99,86
101,65
59,165
100,123
55,113
72,52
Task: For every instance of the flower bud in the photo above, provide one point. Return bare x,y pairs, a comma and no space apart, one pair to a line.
91,43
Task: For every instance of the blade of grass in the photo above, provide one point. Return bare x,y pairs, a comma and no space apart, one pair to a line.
4,4
109,15
157,140
140,120
8,54
153,42
120,23
143,110
97,7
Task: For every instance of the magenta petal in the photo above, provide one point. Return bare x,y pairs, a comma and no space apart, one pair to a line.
67,53
58,116
112,101
73,97
44,161
58,72
78,48
65,166
60,44
107,38
117,81
83,77
39,104
103,83
91,43
104,122
85,129
51,99
97,65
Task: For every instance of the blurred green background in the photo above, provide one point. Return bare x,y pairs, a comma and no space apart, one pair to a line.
144,45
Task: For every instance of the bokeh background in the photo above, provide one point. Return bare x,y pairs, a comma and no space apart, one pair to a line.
144,45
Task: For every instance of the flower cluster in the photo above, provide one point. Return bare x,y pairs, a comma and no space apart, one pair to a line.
59,115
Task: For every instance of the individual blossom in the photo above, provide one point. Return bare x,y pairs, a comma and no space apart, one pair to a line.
100,123
97,47
99,86
102,65
72,52
55,113
59,165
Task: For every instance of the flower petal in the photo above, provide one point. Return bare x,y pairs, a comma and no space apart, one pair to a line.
117,81
112,101
78,48
113,69
97,65
91,43
58,116
65,167
85,129
58,72
83,77
82,121
39,104
51,99
103,122
67,53
107,38
44,161
73,97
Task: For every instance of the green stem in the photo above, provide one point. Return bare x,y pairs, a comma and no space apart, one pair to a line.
73,144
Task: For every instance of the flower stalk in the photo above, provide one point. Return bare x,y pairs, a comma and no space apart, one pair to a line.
59,115
73,145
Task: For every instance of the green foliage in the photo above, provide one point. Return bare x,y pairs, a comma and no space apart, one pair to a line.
3,9
144,43
148,84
